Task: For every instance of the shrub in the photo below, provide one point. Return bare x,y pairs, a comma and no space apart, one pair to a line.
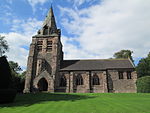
143,84
7,93
5,74
18,84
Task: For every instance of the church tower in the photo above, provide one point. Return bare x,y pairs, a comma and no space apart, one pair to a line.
44,57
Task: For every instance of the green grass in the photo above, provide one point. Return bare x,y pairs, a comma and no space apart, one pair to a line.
79,103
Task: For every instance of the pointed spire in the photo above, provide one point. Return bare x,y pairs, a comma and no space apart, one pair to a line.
49,25
50,19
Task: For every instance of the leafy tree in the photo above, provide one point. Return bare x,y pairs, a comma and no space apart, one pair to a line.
15,68
18,77
19,82
143,84
143,67
3,45
22,75
124,54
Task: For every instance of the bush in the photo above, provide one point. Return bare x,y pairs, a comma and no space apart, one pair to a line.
143,84
18,84
5,74
7,93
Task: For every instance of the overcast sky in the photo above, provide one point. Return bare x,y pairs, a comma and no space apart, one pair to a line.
91,29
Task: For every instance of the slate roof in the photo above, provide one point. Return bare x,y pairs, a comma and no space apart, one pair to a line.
101,64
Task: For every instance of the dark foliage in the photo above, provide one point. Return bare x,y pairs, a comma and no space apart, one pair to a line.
7,93
18,78
5,74
143,68
18,83
143,84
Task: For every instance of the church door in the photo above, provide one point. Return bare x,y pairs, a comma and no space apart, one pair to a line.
42,84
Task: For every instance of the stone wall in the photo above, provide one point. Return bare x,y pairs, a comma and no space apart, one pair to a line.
124,85
87,86
102,87
109,82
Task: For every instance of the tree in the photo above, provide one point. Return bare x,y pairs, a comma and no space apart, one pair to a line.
7,93
3,45
22,75
15,68
124,54
18,77
143,84
19,82
143,67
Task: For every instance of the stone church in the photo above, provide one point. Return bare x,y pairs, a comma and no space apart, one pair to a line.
48,71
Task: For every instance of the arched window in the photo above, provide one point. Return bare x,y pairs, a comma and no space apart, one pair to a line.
96,80
63,81
79,80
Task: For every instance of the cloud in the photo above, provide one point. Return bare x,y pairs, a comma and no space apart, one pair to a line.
33,3
94,32
72,51
6,13
16,52
28,26
20,38
77,3
108,27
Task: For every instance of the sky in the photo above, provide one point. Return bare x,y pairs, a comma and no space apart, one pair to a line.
90,29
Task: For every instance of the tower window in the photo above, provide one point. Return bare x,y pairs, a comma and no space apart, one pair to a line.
79,80
49,42
40,42
129,75
39,45
49,49
96,80
49,46
120,73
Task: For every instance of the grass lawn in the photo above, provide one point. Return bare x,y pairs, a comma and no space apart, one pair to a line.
79,103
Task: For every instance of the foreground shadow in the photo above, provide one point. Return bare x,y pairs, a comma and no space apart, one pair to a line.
30,99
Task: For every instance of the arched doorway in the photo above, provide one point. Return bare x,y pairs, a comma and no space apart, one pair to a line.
42,84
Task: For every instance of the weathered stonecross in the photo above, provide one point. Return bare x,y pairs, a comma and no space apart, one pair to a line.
47,71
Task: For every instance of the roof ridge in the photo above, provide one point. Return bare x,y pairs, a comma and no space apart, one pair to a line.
96,59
